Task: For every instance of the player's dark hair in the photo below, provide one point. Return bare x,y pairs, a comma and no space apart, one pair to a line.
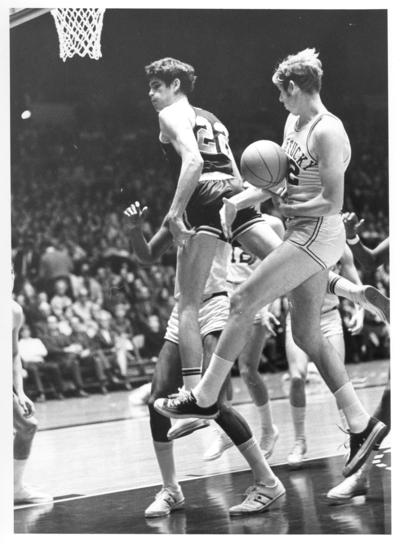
304,68
168,69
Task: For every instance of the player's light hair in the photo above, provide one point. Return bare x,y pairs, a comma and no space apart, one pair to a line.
304,68
168,69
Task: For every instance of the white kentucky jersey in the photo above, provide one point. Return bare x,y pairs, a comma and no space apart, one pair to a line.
216,281
304,180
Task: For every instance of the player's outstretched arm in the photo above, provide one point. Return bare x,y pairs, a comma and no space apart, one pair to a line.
180,133
18,385
151,251
369,259
247,197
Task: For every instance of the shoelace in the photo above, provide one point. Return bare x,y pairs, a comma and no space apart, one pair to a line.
345,444
183,396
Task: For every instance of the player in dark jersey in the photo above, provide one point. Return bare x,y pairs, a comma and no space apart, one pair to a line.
196,144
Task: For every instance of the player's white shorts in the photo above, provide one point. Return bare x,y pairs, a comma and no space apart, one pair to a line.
331,323
213,315
322,238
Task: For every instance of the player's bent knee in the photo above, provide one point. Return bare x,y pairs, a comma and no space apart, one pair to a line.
159,424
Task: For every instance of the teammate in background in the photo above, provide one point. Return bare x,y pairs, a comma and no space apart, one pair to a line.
196,145
25,424
167,378
332,329
370,259
318,151
240,268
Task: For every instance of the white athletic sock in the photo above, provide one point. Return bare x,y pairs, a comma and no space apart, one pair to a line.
19,468
207,391
259,466
342,287
265,414
165,457
347,400
191,377
299,419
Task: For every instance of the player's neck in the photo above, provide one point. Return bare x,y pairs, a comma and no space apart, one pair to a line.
310,108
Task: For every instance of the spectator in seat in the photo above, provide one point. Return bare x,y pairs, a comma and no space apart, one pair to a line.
106,341
62,351
60,298
54,264
33,353
87,355
83,307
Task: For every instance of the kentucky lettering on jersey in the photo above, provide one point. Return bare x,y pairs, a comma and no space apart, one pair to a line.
213,141
304,180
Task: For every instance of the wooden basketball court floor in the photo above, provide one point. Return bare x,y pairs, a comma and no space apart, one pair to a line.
95,457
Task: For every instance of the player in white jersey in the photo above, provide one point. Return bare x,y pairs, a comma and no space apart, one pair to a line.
313,242
298,361
167,378
25,424
241,265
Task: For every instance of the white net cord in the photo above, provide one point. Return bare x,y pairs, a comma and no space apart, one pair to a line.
79,31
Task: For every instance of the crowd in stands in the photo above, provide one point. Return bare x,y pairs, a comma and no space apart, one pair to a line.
91,309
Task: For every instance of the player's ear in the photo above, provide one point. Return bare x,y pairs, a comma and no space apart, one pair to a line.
291,87
176,85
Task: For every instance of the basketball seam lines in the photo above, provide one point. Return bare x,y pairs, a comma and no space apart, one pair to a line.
266,165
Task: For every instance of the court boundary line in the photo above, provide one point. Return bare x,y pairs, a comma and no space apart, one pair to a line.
184,479
145,416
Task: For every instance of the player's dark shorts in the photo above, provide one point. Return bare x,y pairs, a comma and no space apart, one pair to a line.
202,211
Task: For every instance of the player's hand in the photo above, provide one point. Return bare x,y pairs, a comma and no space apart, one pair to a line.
27,406
180,233
227,216
269,320
279,200
137,215
351,224
356,321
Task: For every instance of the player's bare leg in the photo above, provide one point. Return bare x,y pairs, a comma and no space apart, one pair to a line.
248,361
286,269
367,296
25,429
297,362
195,264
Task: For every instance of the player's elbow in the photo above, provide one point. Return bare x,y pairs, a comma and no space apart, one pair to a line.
194,163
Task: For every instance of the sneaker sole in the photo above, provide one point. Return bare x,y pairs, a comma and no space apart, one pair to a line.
266,507
189,429
168,413
219,454
344,499
177,506
375,436
378,302
267,453
18,502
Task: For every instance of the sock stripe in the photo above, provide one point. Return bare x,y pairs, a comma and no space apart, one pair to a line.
332,284
191,371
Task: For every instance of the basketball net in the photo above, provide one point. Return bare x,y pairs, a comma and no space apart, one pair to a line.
79,31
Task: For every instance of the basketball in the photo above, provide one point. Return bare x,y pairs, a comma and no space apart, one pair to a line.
263,164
